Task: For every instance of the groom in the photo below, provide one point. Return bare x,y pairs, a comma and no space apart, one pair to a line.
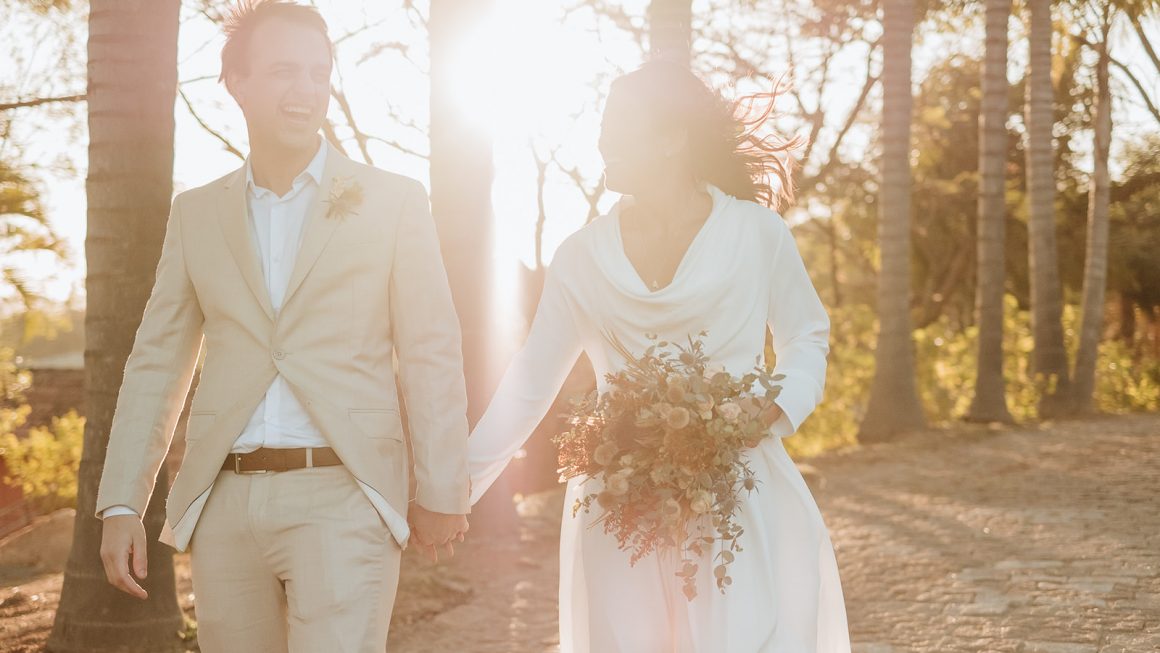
304,273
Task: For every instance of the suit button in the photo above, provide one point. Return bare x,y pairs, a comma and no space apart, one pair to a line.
279,354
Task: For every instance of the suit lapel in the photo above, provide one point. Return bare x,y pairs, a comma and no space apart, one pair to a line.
235,225
318,229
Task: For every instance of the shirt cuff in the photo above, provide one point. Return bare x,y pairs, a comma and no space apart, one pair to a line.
116,511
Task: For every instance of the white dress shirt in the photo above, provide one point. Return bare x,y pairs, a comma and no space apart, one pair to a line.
279,421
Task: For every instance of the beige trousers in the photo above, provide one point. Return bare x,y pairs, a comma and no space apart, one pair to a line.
296,561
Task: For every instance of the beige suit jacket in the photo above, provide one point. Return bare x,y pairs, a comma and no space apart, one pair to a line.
367,283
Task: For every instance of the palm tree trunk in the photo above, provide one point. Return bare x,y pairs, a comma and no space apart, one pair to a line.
670,33
1095,269
990,400
1050,358
132,89
894,405
461,180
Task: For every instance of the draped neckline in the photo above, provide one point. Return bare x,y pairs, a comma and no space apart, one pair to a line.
629,271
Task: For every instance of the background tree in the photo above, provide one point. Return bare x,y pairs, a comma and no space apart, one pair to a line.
461,180
894,405
990,399
1095,270
132,87
670,33
1050,358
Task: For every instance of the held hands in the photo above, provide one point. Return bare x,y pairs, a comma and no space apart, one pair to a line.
123,540
435,530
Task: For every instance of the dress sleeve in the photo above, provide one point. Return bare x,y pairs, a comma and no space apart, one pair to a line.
528,388
801,334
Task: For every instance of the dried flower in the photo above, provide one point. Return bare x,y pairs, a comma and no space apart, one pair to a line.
668,438
679,417
346,195
730,411
617,484
702,502
604,453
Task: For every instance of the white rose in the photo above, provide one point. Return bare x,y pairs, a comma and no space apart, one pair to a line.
730,411
702,502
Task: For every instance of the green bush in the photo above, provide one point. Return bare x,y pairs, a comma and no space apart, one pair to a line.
44,463
1127,378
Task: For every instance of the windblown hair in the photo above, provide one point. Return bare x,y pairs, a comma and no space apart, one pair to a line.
727,140
247,15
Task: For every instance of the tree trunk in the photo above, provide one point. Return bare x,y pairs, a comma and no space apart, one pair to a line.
894,405
1050,358
1095,269
132,88
670,34
990,401
461,180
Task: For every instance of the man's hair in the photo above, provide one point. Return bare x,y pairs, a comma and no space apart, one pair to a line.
248,15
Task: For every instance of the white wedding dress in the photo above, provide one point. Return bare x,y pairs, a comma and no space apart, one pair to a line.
741,275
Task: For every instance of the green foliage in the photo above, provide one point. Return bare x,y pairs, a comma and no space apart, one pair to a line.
849,372
24,229
1126,381
44,463
1127,377
13,380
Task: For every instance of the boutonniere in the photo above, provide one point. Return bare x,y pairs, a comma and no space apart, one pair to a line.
346,195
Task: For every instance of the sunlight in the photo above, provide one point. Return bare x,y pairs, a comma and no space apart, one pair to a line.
520,72
522,76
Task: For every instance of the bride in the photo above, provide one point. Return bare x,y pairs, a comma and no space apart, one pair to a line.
691,247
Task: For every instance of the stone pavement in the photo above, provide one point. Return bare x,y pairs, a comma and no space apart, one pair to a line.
1039,540
1042,539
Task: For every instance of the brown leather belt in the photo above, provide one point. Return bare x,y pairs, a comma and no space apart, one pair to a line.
266,459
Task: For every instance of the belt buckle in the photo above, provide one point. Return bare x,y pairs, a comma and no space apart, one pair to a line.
238,466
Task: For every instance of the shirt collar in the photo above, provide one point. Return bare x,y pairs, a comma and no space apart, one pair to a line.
313,171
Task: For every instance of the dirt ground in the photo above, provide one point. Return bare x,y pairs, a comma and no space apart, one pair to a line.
1039,539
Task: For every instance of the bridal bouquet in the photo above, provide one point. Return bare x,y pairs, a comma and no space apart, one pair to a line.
667,440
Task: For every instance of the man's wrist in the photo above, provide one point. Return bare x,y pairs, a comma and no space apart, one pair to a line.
118,510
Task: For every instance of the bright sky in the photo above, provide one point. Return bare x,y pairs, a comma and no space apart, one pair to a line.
494,73
525,74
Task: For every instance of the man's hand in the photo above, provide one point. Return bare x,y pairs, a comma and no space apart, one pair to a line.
122,540
436,530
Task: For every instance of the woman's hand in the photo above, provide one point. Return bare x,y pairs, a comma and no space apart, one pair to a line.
770,415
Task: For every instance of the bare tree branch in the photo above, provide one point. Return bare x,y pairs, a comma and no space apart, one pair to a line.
360,138
1134,17
591,195
542,164
212,132
35,102
1139,87
1079,38
851,119
398,146
366,27
332,137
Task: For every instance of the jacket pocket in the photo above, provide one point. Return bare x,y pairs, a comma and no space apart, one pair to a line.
377,422
198,423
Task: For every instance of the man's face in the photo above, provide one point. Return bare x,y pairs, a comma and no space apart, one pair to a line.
286,91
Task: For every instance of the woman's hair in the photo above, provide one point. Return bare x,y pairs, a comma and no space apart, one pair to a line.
240,24
725,141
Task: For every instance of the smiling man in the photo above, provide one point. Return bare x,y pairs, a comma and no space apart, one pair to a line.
304,274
